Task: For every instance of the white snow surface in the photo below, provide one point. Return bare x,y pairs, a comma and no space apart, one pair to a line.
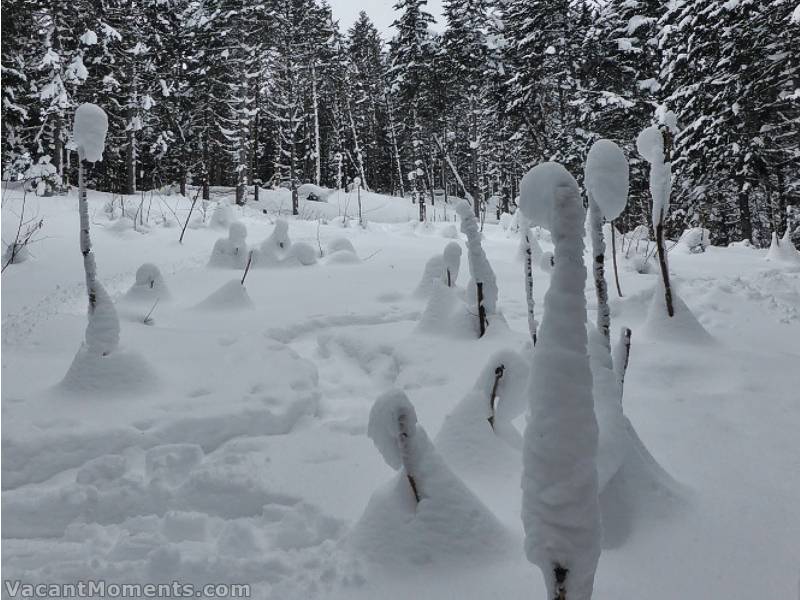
231,446
606,177
89,131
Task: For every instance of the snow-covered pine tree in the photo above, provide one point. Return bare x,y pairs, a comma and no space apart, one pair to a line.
366,73
620,71
465,47
409,75
542,51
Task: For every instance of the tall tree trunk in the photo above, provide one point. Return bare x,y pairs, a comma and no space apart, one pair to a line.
317,151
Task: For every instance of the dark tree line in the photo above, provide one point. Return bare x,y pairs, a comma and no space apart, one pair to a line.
271,92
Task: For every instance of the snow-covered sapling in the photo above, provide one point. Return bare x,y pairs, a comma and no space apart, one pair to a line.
560,507
655,145
606,180
89,135
531,251
393,429
483,280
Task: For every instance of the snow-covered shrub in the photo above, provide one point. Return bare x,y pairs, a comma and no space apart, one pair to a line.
442,267
43,178
425,513
560,508
482,287
313,193
231,252
695,240
149,286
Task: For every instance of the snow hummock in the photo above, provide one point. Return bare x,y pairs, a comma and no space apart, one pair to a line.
682,327
606,178
149,286
102,331
222,216
89,131
395,530
231,252
560,507
231,296
437,268
341,251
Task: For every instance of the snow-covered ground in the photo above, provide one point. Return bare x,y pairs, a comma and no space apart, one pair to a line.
239,451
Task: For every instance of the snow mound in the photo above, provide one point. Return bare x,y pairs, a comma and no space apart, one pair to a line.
313,193
89,131
302,254
120,372
442,267
148,287
487,454
447,314
231,296
695,240
682,327
231,252
443,526
339,244
783,250
606,177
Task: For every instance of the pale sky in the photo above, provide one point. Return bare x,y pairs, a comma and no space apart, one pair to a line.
380,11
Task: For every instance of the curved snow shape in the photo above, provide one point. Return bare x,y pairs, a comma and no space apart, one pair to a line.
448,522
302,254
560,507
231,252
488,455
682,327
231,296
148,287
278,242
438,267
606,178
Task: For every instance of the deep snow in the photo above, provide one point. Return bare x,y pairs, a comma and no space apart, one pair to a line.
239,453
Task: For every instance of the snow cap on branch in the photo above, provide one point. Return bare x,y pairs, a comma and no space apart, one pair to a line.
606,177
537,192
650,144
383,428
89,131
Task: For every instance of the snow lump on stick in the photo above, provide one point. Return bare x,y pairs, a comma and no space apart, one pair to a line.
89,133
560,508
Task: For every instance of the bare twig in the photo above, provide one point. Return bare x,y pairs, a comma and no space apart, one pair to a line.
189,216
247,266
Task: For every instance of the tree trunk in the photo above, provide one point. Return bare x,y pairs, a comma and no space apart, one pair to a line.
598,269
89,266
